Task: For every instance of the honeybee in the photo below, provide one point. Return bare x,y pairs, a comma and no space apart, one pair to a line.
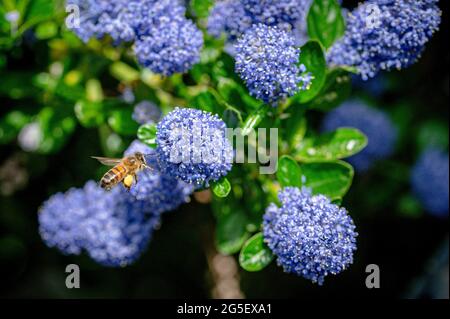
125,170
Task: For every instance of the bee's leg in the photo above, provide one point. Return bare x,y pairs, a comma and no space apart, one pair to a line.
135,178
128,182
126,186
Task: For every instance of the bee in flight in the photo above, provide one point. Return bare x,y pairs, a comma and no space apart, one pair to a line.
124,170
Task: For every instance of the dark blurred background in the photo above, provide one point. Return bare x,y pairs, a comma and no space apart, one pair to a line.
409,245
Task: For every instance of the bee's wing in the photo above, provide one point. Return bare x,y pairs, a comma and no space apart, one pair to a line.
108,161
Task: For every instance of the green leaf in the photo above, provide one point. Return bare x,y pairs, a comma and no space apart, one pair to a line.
201,7
209,54
433,133
17,85
90,114
233,93
206,101
147,134
57,125
409,206
231,232
123,72
337,89
70,93
122,123
296,126
342,143
254,119
222,187
289,172
332,179
223,68
94,91
11,124
231,117
38,11
255,255
46,30
325,22
313,58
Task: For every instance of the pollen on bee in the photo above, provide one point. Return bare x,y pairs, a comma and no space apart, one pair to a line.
128,181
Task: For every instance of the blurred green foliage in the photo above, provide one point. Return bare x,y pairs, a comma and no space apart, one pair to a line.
74,93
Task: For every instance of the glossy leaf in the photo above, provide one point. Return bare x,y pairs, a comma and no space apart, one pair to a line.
147,134
206,101
325,22
255,255
254,119
296,126
337,89
222,187
341,143
231,232
289,172
332,179
313,58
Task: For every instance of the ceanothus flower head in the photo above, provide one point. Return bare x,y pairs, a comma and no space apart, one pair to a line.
281,13
430,181
234,17
164,40
172,47
229,17
193,146
159,192
118,231
59,221
146,15
375,124
267,61
146,112
99,18
310,236
110,226
386,35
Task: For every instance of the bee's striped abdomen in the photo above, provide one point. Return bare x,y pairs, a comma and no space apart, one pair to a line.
114,176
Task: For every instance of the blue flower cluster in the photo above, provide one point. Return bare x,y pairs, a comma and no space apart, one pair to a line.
193,146
172,47
228,16
430,181
375,124
146,112
113,227
109,226
310,236
267,60
165,41
386,35
234,17
99,18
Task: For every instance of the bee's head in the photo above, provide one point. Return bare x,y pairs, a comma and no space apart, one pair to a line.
141,158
